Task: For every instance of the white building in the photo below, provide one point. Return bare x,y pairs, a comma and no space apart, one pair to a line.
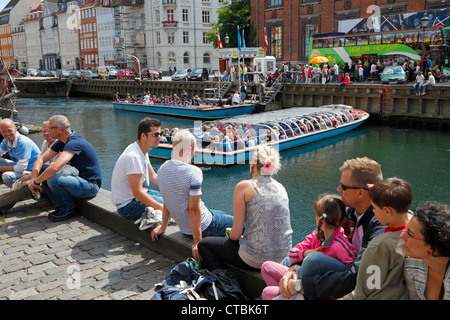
68,25
105,34
19,46
32,38
176,34
50,36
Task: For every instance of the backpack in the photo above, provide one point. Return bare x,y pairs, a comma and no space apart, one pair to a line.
186,282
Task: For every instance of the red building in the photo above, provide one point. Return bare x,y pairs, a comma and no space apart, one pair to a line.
290,23
88,35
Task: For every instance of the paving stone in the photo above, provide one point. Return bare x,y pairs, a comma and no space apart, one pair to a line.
37,255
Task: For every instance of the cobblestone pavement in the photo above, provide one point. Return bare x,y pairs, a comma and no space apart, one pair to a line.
72,260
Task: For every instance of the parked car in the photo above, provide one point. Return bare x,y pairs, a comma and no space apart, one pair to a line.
89,74
75,74
153,72
198,74
125,74
181,75
32,72
393,74
108,72
64,73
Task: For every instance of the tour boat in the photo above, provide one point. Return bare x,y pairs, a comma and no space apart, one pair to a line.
204,111
282,129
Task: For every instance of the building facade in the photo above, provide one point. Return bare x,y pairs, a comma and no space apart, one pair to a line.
49,34
33,39
68,27
291,23
176,34
11,16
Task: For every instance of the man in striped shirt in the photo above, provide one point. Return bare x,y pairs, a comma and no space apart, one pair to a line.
180,184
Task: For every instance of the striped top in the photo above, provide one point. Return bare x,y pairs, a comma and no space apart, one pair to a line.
177,181
416,273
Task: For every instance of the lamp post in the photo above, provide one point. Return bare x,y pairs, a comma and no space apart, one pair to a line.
139,65
227,39
424,22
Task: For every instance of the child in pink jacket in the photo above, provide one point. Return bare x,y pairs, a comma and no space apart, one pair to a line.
329,239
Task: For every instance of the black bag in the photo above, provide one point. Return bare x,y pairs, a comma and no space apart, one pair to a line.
226,286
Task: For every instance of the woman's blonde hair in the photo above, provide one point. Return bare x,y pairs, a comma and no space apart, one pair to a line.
267,160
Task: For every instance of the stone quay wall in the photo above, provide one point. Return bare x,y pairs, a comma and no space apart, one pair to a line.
387,102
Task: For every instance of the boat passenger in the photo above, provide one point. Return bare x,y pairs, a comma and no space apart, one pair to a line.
262,204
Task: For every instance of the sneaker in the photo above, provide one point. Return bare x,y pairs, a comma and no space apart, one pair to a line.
423,93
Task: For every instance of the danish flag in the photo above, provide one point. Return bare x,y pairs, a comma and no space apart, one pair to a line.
266,43
219,42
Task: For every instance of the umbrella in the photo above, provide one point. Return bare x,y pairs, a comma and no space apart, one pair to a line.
318,59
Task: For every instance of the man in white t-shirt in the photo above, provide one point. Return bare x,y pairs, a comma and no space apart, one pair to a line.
133,174
419,82
180,183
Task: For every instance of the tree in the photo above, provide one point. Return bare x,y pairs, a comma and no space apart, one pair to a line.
234,13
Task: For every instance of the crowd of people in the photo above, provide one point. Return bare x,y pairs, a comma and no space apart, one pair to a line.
368,243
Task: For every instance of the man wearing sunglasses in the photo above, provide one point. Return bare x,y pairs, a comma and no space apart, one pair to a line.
133,173
362,226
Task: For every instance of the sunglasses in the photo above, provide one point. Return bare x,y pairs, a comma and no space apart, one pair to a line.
157,134
344,187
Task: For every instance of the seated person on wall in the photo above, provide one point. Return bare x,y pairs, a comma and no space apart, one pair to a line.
262,229
21,149
133,174
361,226
20,190
79,153
180,183
391,199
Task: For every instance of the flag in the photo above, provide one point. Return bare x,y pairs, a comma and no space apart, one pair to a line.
266,43
243,39
239,38
219,42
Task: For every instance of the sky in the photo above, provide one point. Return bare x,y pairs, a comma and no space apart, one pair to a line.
3,4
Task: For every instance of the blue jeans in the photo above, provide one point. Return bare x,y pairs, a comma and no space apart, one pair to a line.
61,188
9,177
425,86
220,222
418,86
134,209
317,263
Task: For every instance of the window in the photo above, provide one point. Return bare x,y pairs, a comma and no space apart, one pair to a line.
387,38
186,58
171,38
205,16
170,15
205,39
206,58
185,37
172,57
185,14
157,15
275,3
158,37
363,40
275,42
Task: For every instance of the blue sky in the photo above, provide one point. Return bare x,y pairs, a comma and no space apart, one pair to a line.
3,4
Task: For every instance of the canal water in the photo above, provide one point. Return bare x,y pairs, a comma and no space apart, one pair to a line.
420,156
